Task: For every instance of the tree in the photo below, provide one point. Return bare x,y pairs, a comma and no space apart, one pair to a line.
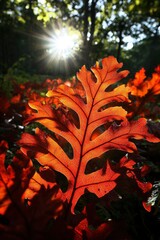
103,25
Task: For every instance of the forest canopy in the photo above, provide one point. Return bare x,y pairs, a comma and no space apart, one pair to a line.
57,37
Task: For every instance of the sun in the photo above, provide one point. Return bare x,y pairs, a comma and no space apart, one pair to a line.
64,43
60,45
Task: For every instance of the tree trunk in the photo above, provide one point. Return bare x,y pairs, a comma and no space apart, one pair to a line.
93,19
89,28
86,26
120,36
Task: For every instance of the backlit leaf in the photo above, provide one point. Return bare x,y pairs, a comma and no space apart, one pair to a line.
99,125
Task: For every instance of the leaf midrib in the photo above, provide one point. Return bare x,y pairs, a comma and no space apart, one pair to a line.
83,140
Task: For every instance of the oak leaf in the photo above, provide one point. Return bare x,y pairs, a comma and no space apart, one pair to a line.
139,85
93,113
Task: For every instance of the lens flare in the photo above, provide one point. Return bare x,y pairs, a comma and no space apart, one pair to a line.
60,49
64,44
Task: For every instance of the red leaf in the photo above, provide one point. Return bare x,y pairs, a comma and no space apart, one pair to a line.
139,87
28,200
95,114
4,105
147,206
83,232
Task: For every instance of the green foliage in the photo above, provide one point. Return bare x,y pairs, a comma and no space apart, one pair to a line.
150,49
21,72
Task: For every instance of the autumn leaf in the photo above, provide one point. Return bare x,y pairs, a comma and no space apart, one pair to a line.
102,232
139,85
28,199
13,181
133,180
4,104
100,112
129,164
154,83
144,93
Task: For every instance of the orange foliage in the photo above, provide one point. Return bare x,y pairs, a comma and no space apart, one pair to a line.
144,90
138,86
84,121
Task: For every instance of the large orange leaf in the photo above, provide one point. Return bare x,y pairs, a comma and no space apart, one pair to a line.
98,124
